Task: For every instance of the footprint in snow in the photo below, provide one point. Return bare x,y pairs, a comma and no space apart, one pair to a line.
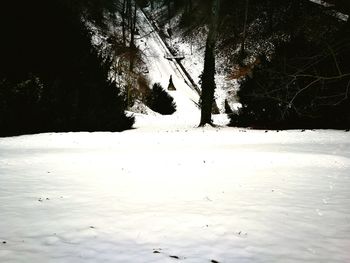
158,251
241,234
42,199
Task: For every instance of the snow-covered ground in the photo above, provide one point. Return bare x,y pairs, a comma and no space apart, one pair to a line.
199,194
160,69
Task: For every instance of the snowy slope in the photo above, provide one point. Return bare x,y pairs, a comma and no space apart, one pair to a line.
160,68
207,194
192,45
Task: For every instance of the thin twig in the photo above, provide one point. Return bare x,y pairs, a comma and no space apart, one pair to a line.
301,90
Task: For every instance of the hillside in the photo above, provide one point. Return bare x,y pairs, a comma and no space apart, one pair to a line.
284,65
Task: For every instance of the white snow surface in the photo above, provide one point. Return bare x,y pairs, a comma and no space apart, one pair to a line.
160,69
200,194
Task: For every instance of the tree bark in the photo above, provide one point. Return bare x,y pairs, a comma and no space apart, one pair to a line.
132,38
133,26
208,84
168,2
124,23
242,53
129,13
188,7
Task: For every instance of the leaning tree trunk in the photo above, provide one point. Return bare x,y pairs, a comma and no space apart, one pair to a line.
208,76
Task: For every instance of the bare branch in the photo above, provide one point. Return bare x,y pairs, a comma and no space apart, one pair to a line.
320,77
335,59
301,90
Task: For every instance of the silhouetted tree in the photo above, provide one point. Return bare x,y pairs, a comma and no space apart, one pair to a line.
160,101
208,75
51,76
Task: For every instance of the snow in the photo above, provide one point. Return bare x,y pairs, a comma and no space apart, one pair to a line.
200,194
193,46
160,68
168,191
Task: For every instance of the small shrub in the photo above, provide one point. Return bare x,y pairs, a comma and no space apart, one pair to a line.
160,101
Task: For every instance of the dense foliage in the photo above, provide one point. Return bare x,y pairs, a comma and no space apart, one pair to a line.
160,101
51,76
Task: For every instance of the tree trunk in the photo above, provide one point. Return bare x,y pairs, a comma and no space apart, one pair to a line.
124,22
133,26
242,53
129,13
208,76
188,7
169,8
271,14
208,84
132,38
295,11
